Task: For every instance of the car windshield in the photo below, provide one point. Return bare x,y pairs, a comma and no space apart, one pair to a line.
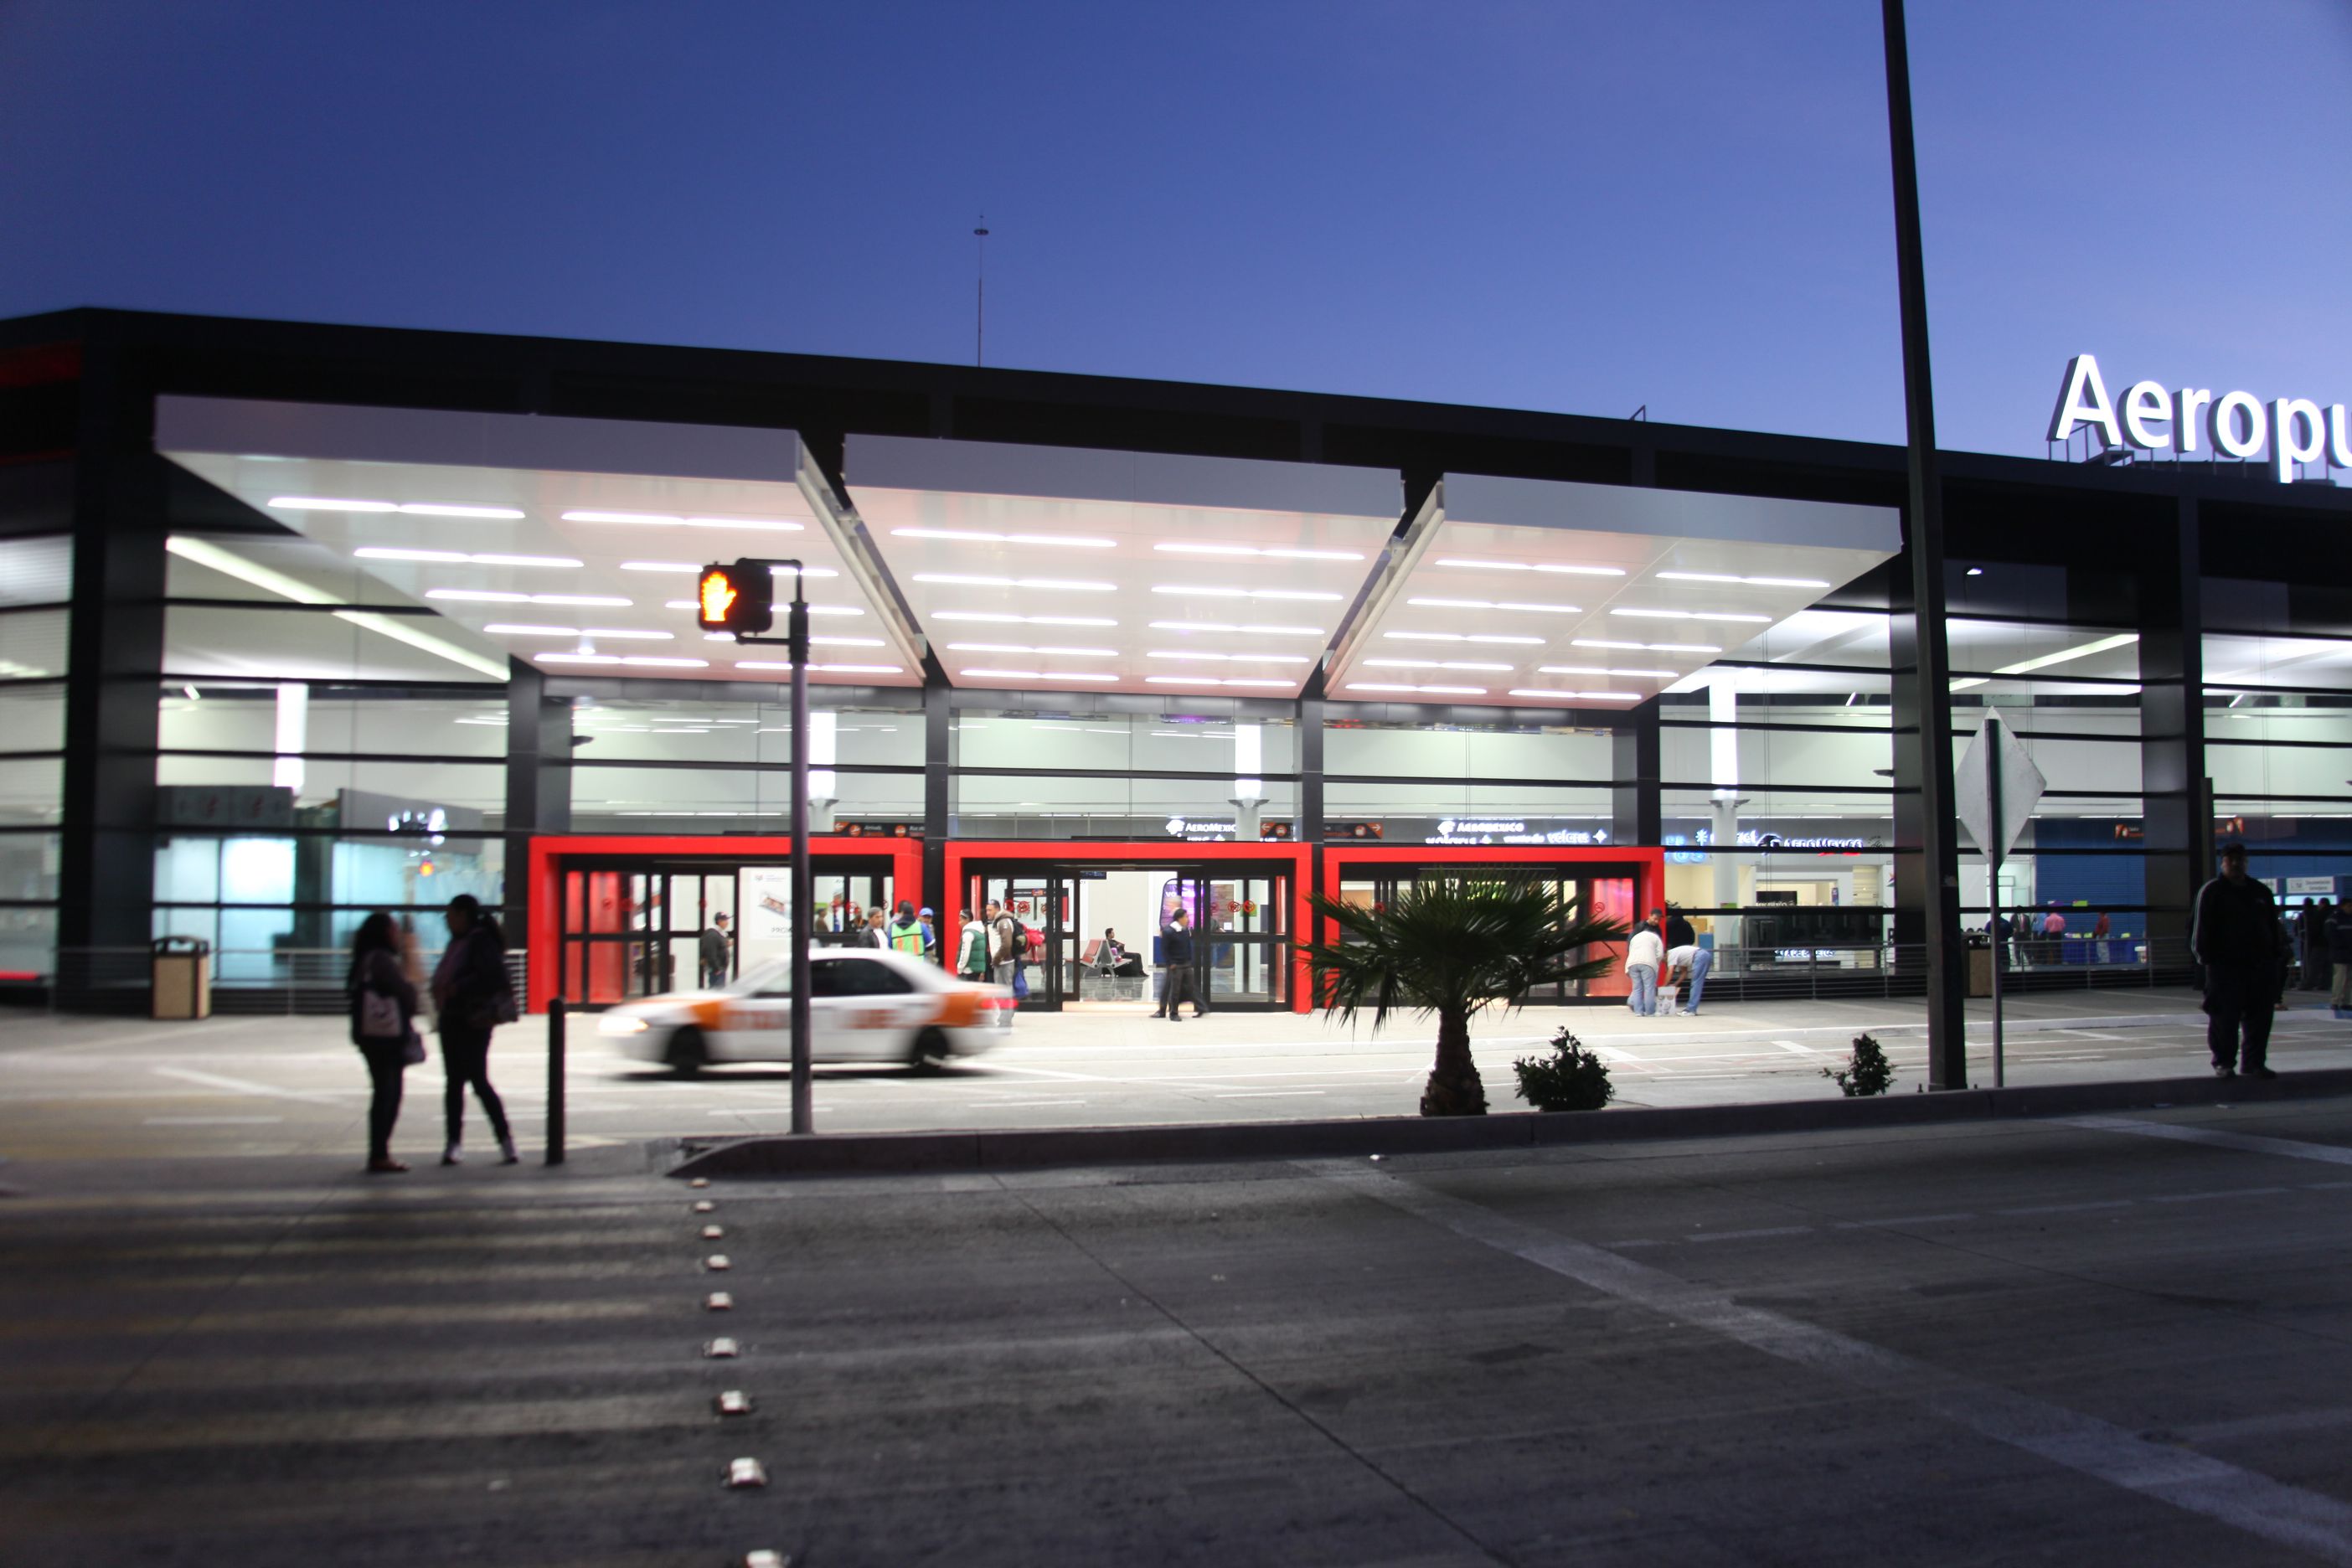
773,978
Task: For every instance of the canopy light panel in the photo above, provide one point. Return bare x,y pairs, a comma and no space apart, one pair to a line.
1195,573
1565,580
495,520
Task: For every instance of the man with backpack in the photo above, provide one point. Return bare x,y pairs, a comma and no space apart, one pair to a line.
1007,943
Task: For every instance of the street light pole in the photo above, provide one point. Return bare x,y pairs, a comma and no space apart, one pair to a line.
1937,885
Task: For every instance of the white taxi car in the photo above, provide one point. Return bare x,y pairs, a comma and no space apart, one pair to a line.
865,1004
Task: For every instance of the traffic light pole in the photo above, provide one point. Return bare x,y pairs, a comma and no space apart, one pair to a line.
796,635
722,603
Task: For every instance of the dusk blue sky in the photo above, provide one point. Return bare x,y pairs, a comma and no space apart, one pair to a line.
1546,205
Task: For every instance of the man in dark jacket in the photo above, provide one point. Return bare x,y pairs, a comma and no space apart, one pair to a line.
2340,960
2236,936
715,953
1677,929
1176,959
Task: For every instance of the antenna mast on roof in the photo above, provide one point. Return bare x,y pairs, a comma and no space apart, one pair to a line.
980,299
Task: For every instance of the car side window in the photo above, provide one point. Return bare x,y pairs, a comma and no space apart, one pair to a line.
826,980
864,977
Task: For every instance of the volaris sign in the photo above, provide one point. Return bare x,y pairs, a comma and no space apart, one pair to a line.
2152,418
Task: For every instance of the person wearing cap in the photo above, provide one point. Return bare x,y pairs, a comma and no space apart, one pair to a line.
928,918
2235,934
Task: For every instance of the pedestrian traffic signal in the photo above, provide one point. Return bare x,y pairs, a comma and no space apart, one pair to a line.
739,599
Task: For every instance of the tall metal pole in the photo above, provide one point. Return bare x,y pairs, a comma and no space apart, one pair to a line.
1999,836
1939,849
980,297
796,637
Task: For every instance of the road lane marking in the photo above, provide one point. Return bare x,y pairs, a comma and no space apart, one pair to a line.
1793,1046
1751,1234
2069,1208
2244,1143
2248,1500
1271,1093
212,1120
247,1086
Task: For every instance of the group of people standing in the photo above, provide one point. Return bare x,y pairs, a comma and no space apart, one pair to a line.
1664,951
470,994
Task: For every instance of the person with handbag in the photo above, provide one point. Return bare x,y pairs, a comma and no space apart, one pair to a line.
472,996
384,1026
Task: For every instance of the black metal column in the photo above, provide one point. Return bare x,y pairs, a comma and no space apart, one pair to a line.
1636,813
1928,899
106,870
1309,825
539,780
939,737
2176,817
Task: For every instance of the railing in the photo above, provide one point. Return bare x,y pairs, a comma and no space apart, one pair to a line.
2034,965
288,982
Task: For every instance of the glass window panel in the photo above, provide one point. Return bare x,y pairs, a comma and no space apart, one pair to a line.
29,865
37,571
32,644
29,791
1062,806
33,717
296,644
2021,647
1405,752
28,940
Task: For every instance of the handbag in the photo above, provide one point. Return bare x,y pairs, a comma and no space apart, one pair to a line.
411,1050
1019,983
504,1008
380,1017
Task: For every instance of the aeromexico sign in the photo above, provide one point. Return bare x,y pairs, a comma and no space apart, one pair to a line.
2151,418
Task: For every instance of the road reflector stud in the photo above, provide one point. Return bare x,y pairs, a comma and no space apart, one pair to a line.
704,1206
747,1473
717,1263
719,1301
765,1559
699,1181
720,1350
734,1402
713,1231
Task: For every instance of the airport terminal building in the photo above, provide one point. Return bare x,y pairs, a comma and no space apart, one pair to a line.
298,622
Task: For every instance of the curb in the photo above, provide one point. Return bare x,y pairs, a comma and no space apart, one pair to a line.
889,1152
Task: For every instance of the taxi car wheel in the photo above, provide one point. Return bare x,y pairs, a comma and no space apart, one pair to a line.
686,1054
929,1053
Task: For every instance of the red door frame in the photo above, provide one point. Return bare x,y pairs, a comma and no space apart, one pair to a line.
1648,863
550,855
1050,853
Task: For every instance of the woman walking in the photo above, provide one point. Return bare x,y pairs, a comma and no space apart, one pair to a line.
472,995
384,1026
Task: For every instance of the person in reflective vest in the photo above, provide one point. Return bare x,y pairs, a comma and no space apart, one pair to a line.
907,932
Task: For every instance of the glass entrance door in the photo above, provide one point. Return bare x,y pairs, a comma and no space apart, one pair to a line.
1100,933
1606,896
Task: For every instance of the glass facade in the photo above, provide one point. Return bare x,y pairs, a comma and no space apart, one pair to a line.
360,698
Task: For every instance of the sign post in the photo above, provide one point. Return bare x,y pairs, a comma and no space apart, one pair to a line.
1995,789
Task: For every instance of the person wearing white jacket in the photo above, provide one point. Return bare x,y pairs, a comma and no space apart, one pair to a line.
1644,953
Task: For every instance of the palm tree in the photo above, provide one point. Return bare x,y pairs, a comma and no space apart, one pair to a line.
1451,946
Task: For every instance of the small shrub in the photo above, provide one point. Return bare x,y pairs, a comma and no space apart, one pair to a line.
1867,1071
1570,1078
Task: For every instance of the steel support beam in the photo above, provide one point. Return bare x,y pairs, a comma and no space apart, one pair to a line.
539,779
1636,813
1928,899
106,860
939,756
2176,817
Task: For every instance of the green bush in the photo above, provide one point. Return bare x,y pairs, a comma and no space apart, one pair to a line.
1867,1071
1570,1078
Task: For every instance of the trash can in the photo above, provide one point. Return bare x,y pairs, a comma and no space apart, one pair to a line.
183,981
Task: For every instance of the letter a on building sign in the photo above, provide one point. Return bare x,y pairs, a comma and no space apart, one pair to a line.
1996,786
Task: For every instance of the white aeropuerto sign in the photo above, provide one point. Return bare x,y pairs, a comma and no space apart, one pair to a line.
2150,417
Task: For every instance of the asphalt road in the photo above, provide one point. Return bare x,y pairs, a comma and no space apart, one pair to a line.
2108,1339
82,1089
